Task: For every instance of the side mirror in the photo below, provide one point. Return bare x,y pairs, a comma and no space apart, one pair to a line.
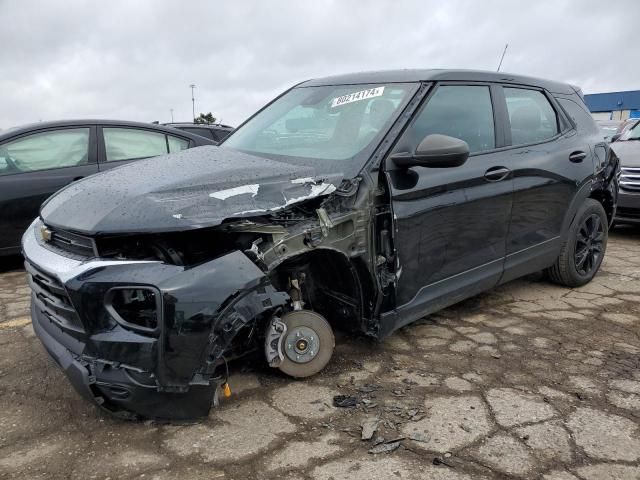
615,137
435,151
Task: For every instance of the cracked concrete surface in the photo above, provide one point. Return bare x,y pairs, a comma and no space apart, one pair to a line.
529,380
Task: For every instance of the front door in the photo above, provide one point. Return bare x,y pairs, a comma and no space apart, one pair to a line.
32,168
450,223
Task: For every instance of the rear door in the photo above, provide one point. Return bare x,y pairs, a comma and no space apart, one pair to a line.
450,223
35,165
120,144
550,164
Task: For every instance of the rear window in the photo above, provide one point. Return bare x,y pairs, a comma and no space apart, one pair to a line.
129,143
531,116
580,116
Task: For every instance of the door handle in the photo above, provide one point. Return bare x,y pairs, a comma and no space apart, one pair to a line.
577,157
495,174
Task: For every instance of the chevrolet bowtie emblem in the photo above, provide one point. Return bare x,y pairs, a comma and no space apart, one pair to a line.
45,233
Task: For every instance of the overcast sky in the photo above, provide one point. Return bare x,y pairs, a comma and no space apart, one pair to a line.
135,60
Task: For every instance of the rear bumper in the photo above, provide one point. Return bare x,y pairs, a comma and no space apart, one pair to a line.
628,210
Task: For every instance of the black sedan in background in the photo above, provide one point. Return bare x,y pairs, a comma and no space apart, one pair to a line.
37,160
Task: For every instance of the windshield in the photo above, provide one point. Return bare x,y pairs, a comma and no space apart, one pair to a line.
332,128
631,134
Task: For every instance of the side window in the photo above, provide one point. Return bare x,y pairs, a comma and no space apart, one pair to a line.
42,151
579,115
532,117
129,143
176,144
463,112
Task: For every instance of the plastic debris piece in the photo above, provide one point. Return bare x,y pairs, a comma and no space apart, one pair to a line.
226,390
345,401
384,448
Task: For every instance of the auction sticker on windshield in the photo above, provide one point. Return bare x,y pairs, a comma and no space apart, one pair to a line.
357,96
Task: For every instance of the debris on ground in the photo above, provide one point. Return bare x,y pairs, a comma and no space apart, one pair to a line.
369,427
440,461
385,448
345,401
369,388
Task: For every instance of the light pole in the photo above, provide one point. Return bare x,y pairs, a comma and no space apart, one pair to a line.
171,110
193,102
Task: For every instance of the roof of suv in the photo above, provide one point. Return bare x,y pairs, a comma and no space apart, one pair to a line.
417,75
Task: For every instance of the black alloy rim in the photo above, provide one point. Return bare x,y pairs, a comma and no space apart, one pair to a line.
589,244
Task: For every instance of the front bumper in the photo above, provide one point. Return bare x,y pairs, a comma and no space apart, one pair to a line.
628,210
171,373
114,389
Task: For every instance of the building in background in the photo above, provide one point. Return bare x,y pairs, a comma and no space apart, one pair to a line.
614,105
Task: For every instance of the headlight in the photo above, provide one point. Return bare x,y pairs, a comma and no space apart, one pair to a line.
135,308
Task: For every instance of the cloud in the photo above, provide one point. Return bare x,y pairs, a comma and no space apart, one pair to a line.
135,60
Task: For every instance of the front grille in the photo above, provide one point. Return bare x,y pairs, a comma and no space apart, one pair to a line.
630,179
72,242
52,300
631,213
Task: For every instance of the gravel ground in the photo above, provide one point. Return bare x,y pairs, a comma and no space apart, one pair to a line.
529,380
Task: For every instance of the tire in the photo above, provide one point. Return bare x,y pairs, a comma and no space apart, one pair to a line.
318,335
584,248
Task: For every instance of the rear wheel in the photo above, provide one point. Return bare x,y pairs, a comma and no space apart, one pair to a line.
585,246
308,344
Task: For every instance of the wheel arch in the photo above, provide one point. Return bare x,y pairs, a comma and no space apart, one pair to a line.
330,274
608,201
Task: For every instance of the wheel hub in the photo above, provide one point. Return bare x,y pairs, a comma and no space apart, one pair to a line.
302,344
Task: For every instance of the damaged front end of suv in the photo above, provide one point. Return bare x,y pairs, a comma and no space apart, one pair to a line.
144,322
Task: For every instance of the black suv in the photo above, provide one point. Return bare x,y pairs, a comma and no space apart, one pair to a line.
212,131
359,202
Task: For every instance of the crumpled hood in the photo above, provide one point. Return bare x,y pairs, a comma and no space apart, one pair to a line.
195,188
628,152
